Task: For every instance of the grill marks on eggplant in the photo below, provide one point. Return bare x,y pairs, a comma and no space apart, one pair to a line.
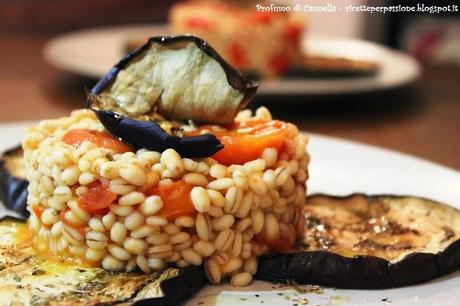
370,242
357,226
385,227
28,279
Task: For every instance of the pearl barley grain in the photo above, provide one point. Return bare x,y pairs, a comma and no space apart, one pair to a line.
217,171
232,264
142,232
172,161
192,257
108,220
185,221
158,239
49,216
111,263
70,175
135,245
200,199
202,227
270,155
134,220
196,179
156,221
212,270
132,198
133,174
156,264
241,279
118,232
118,252
204,248
151,205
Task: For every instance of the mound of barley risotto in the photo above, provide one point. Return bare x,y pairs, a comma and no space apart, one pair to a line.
96,201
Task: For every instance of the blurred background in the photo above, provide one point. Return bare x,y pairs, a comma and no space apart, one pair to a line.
405,97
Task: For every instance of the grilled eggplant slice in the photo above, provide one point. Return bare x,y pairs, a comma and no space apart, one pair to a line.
13,184
175,77
181,77
370,242
28,279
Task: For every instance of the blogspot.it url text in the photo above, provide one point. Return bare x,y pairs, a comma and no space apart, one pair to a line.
331,8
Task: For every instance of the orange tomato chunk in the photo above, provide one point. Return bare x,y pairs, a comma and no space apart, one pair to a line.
101,139
176,199
98,198
245,141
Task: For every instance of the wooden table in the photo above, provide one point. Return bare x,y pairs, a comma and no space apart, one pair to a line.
422,120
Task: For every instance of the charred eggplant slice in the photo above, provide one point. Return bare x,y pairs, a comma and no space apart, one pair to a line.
173,77
370,242
28,279
13,184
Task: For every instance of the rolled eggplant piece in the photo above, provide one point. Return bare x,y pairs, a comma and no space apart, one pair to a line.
173,77
370,242
13,184
179,77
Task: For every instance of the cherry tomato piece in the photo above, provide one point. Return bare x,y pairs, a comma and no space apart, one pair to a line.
246,141
98,198
176,199
101,139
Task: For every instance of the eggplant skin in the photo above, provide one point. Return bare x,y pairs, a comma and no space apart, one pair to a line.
327,268
178,289
149,135
13,189
360,272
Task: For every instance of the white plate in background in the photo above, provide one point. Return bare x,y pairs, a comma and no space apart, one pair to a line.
340,167
92,52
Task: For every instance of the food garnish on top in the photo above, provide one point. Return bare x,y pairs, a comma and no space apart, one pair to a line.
126,185
180,77
170,78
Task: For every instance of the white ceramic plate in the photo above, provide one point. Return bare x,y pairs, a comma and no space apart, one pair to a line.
92,52
340,167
